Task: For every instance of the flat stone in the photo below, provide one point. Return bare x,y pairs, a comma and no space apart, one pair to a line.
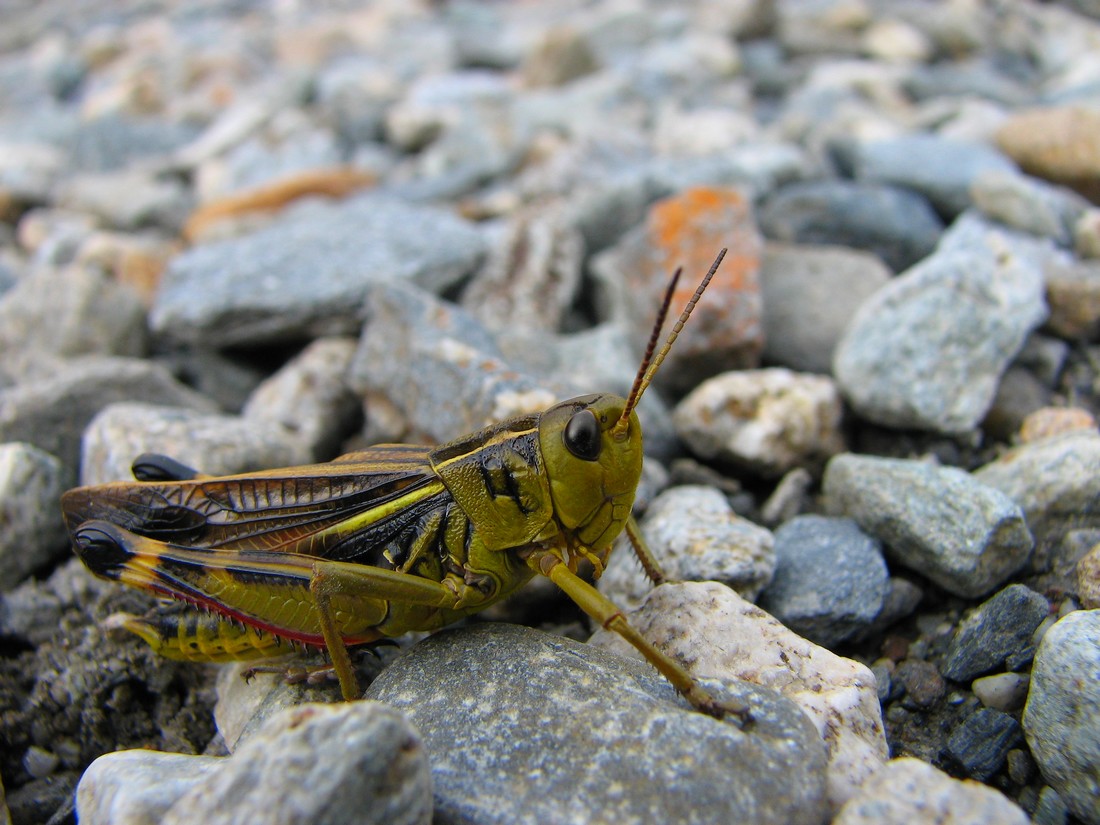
500,702
308,272
1054,481
52,412
909,506
1057,143
438,367
1029,204
980,745
310,397
939,168
688,230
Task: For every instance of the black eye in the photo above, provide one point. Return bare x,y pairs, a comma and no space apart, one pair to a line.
582,435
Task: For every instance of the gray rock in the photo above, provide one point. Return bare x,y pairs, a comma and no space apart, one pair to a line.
310,397
497,702
438,366
999,630
927,350
290,772
911,792
1019,393
810,294
768,420
532,275
1062,716
941,169
31,530
830,579
127,199
694,535
214,444
941,522
1055,483
980,745
72,311
52,412
138,787
112,142
308,273
1028,204
897,225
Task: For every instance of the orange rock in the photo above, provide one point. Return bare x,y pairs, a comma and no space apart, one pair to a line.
333,183
1060,144
688,229
1049,421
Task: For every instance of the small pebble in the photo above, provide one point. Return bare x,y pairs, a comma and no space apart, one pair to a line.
1002,691
980,745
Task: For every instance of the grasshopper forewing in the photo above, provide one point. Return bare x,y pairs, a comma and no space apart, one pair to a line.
384,541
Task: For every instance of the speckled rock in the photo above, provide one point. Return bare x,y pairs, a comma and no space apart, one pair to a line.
830,579
1062,716
1088,579
695,536
908,791
584,728
927,350
999,630
768,421
687,230
910,506
1058,143
717,633
290,772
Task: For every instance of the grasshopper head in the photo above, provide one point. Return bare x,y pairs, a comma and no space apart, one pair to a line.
593,456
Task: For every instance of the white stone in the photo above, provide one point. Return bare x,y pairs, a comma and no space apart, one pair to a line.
137,787
717,634
910,792
769,420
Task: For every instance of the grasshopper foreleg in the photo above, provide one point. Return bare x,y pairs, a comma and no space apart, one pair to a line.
604,611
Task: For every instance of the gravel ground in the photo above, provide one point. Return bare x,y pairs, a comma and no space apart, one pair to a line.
252,235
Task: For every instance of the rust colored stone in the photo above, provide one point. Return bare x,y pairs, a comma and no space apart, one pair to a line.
331,183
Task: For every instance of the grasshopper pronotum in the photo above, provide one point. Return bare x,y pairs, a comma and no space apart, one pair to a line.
383,541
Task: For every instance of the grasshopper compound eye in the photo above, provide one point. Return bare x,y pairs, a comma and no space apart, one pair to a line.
582,436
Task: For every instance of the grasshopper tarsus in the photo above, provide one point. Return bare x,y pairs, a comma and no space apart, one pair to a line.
387,540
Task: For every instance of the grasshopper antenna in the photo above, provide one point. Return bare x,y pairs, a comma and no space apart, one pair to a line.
650,363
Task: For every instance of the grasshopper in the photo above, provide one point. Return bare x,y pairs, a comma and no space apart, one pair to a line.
391,539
